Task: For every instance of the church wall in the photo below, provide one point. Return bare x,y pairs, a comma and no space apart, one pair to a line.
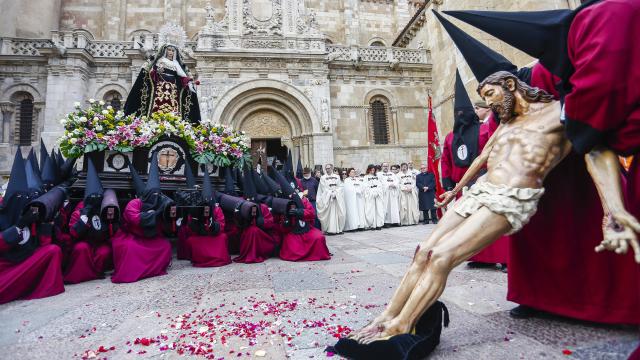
446,57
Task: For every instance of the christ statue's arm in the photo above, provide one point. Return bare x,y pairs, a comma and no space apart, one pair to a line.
619,226
473,170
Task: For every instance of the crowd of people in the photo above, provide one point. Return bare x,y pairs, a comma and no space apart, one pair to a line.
48,240
383,196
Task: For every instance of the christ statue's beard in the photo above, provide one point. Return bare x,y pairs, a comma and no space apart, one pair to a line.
506,107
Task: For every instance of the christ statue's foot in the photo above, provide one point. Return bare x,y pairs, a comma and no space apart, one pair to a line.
373,327
386,330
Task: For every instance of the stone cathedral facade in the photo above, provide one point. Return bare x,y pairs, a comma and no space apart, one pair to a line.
317,77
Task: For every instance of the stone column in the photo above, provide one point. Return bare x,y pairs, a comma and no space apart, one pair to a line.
323,148
67,83
8,109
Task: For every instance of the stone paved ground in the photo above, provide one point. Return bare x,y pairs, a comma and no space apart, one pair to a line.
287,310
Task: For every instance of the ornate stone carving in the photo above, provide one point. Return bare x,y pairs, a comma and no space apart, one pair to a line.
324,108
266,124
259,21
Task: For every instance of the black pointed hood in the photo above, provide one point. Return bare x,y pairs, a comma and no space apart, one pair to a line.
285,185
248,187
49,172
59,158
268,176
540,34
34,182
481,59
229,184
207,189
188,173
261,185
288,168
466,127
44,154
138,184
18,177
93,185
33,161
299,169
153,181
15,198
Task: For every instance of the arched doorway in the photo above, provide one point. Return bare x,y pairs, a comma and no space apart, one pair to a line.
271,110
270,134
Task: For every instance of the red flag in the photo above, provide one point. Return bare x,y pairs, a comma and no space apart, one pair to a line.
435,152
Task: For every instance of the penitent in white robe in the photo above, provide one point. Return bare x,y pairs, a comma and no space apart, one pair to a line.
409,213
391,193
330,204
354,203
374,208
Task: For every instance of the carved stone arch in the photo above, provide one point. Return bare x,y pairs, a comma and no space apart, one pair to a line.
8,93
102,91
380,92
133,33
381,112
377,41
274,91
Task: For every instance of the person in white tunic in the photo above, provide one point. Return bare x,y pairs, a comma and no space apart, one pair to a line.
412,170
391,193
330,202
353,201
374,207
409,214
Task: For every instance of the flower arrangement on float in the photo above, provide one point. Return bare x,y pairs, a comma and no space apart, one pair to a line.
219,145
100,128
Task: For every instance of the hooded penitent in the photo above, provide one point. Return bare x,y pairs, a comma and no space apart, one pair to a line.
44,154
93,197
289,193
34,182
154,203
299,169
15,199
49,173
188,173
541,34
229,184
110,210
481,59
466,127
249,190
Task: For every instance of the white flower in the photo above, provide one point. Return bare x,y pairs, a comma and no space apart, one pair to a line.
91,101
105,112
76,104
73,140
109,107
101,102
83,119
95,118
98,127
63,122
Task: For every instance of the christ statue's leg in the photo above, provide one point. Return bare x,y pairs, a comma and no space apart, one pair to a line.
474,234
448,223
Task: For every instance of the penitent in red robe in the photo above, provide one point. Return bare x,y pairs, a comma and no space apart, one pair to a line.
136,256
553,265
233,233
90,254
38,276
309,246
205,250
498,252
256,245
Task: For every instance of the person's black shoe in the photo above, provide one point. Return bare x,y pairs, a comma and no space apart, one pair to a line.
504,268
479,265
434,221
426,222
522,312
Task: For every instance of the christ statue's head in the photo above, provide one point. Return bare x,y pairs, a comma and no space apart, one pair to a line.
501,91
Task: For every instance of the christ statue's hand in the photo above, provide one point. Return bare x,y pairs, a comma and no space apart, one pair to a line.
619,231
446,199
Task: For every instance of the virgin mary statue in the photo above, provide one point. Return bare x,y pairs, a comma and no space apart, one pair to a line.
166,86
